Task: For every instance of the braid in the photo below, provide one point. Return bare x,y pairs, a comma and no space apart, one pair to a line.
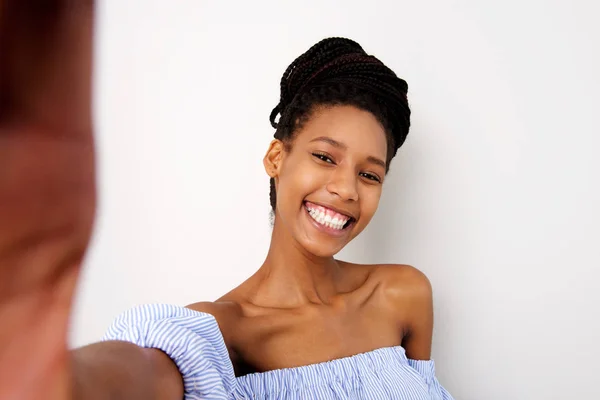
337,71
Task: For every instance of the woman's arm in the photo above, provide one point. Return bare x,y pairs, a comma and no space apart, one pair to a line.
47,205
409,302
47,188
411,293
419,314
121,370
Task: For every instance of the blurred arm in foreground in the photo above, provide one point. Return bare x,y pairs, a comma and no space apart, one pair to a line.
47,206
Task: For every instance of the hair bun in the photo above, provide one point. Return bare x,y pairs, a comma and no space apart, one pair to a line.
343,61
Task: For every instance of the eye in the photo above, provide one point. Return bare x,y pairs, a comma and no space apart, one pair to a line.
370,177
323,157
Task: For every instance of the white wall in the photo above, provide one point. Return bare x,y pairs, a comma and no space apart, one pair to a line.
495,194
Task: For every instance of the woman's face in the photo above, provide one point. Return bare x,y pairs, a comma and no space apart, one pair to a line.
329,183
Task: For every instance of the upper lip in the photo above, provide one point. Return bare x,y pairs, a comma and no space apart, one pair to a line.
337,210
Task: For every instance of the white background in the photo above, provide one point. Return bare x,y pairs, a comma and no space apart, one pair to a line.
495,195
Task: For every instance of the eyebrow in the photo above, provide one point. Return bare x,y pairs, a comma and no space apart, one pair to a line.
340,145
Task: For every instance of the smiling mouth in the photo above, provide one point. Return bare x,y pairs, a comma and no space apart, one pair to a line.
328,218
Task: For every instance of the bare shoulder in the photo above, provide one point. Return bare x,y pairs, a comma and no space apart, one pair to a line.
403,290
397,281
227,313
403,281
407,294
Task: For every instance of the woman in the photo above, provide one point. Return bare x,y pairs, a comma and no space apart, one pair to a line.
307,325
304,326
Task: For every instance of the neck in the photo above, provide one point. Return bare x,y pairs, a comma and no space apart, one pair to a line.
291,277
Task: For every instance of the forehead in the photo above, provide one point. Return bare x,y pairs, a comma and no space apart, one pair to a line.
358,129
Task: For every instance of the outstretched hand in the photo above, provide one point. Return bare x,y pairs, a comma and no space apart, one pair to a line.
47,188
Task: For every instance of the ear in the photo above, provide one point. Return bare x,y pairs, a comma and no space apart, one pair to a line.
274,157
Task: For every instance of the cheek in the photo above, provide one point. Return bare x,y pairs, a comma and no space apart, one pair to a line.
299,178
369,202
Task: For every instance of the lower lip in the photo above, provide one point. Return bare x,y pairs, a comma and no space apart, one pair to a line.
325,229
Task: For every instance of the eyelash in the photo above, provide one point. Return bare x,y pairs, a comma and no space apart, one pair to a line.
371,177
325,158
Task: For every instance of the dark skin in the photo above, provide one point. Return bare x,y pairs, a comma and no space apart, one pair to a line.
46,188
301,307
47,207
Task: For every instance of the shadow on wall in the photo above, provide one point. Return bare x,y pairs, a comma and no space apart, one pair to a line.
390,232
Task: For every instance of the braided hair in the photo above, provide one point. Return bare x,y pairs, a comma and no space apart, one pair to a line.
337,71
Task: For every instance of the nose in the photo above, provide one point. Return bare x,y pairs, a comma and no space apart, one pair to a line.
343,184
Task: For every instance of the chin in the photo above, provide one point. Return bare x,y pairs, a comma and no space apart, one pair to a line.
321,250
321,245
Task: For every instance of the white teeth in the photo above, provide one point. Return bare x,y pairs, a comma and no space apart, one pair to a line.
327,220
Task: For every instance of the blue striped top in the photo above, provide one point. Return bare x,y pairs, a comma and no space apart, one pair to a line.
194,342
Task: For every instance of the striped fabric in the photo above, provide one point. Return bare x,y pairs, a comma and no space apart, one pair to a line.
195,343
